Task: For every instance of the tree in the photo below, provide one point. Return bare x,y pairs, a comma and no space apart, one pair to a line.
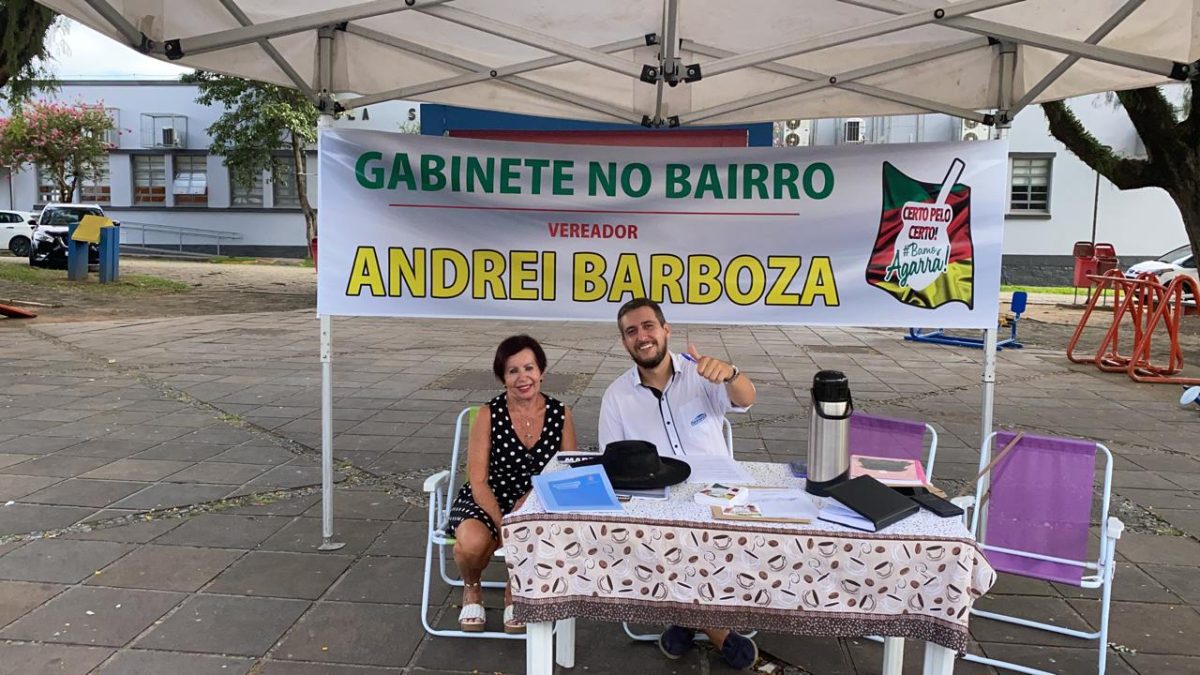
259,121
23,28
1172,139
66,142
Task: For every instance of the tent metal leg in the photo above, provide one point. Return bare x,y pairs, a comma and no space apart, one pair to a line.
327,542
989,402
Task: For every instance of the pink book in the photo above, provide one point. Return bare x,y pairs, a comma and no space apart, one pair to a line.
888,470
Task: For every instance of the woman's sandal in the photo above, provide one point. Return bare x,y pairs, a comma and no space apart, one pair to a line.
511,625
472,617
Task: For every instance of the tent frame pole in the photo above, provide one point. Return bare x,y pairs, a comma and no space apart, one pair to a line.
1099,34
988,407
1165,67
924,104
297,81
136,38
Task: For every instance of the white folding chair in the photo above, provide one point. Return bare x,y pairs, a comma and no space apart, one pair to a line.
441,488
1033,518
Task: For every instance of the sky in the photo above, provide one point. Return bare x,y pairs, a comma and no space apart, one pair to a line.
82,53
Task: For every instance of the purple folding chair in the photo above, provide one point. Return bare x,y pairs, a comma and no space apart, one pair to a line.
1034,521
893,438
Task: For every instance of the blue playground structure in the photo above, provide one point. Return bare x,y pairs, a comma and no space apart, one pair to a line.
939,336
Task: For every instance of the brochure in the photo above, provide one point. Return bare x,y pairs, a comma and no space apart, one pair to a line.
718,494
889,471
584,488
778,505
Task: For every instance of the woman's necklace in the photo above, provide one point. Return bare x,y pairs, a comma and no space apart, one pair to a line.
527,424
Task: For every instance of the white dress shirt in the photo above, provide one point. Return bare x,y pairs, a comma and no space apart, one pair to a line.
686,420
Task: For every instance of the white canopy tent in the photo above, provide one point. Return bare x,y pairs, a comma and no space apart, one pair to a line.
670,62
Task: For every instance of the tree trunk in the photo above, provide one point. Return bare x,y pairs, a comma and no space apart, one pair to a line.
1187,198
300,161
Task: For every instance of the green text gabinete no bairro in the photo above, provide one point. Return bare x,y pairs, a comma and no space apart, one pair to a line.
564,177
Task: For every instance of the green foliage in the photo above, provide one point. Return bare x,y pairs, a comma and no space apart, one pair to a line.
260,120
23,28
66,142
128,284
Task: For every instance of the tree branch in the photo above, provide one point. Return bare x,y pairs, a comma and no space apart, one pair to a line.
1153,118
1125,173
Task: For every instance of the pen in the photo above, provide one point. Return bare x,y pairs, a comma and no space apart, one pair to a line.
687,356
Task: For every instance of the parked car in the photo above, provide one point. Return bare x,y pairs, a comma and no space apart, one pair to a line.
14,232
50,234
1168,266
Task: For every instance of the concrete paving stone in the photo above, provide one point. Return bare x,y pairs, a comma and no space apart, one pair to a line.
171,495
10,459
402,538
223,531
35,445
138,469
35,659
1159,549
363,505
217,432
18,597
1184,519
223,624
255,454
1082,658
147,433
107,617
188,419
166,568
360,442
386,580
1148,627
361,460
59,560
303,535
25,518
1154,664
144,662
182,452
1188,481
227,473
1123,480
400,461
282,478
281,575
106,447
1167,463
273,667
57,415
85,492
62,466
135,532
1176,498
74,430
1050,610
354,633
288,504
1179,579
16,486
1130,583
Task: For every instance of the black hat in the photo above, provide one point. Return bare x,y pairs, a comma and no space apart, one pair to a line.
636,465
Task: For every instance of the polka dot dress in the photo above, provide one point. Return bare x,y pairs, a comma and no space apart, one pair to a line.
510,463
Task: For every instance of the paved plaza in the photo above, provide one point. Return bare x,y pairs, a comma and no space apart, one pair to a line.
159,509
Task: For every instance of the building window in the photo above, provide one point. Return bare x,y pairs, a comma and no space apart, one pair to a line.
47,188
250,196
150,180
1029,189
190,182
96,189
283,184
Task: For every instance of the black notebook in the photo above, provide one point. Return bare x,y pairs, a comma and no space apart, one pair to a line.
866,504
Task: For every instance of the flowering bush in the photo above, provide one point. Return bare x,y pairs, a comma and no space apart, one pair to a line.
65,141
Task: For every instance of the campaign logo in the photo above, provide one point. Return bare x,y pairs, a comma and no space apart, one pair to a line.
923,254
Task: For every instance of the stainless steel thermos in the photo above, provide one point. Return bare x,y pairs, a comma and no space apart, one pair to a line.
829,431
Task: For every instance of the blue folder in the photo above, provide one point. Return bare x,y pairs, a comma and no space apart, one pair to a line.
584,488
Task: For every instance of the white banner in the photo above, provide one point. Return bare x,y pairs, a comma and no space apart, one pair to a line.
866,235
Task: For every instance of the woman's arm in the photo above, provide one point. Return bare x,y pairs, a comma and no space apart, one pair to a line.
569,443
479,447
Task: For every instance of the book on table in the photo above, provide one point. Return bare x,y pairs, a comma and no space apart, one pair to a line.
583,488
890,471
866,504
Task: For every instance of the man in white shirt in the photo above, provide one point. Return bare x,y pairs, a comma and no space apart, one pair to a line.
677,402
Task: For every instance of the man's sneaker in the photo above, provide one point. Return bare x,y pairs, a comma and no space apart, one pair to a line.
739,651
676,641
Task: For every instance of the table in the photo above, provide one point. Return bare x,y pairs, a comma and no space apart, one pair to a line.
671,562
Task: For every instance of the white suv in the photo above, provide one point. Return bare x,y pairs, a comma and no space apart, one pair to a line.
14,232
50,234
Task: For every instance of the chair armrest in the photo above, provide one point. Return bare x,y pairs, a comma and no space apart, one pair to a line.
965,502
433,482
1115,527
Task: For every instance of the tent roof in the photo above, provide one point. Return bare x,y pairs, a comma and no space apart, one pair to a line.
674,61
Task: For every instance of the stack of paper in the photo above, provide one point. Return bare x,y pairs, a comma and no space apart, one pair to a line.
716,469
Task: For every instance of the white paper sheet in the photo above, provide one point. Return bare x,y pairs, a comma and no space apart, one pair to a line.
716,469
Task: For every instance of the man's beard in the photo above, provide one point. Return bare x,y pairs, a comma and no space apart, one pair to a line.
652,361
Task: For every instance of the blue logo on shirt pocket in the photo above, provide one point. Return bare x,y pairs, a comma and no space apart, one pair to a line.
699,418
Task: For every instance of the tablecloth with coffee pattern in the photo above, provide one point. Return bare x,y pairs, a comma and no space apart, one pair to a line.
672,563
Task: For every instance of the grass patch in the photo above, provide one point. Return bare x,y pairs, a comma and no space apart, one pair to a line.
1047,290
232,260
57,279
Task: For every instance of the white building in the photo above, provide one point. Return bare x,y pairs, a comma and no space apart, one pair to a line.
161,174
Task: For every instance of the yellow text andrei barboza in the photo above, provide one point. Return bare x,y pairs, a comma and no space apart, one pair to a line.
696,279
